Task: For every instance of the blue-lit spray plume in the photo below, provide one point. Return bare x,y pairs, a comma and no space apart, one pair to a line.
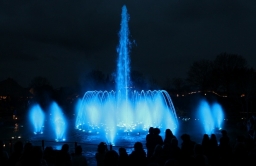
211,117
125,109
36,116
58,121
218,115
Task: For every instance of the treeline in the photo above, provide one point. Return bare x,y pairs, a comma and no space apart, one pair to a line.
227,74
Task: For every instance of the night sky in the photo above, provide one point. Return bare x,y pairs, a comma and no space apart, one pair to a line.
63,40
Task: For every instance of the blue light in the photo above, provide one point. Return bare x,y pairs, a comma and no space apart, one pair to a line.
36,116
58,121
211,117
125,109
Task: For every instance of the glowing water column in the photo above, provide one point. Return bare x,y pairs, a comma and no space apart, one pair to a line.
124,110
58,121
36,116
211,117
123,63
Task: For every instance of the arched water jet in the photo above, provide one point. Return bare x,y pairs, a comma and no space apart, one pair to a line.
102,111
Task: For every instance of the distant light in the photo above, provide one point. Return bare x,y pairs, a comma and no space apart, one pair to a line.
89,131
35,133
19,136
220,128
12,137
42,132
3,145
64,139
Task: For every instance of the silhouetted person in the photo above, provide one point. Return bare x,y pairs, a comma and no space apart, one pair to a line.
63,156
101,151
158,156
187,148
213,146
78,159
138,156
224,148
206,144
175,151
240,151
168,136
158,138
15,156
26,156
3,155
37,157
49,156
171,162
123,157
150,142
224,140
111,158
199,158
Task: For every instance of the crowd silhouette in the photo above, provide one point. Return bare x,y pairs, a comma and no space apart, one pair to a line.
157,152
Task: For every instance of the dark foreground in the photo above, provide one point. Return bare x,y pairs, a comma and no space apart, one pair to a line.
232,148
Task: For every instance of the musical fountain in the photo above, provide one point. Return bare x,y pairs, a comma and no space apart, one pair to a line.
125,109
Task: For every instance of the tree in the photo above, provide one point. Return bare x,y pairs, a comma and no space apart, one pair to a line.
227,69
178,85
199,75
42,90
95,80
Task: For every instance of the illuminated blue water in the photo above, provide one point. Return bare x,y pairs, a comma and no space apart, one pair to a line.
58,122
124,110
102,112
218,115
123,63
210,116
36,116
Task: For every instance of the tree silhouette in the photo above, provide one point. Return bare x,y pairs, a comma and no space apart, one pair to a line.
199,75
227,69
42,91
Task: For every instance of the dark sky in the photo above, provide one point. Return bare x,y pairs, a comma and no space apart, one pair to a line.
62,40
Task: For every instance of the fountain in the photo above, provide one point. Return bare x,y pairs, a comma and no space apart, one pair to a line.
58,122
211,117
124,110
36,116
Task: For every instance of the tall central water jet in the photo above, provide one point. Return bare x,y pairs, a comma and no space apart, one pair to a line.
124,110
123,64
